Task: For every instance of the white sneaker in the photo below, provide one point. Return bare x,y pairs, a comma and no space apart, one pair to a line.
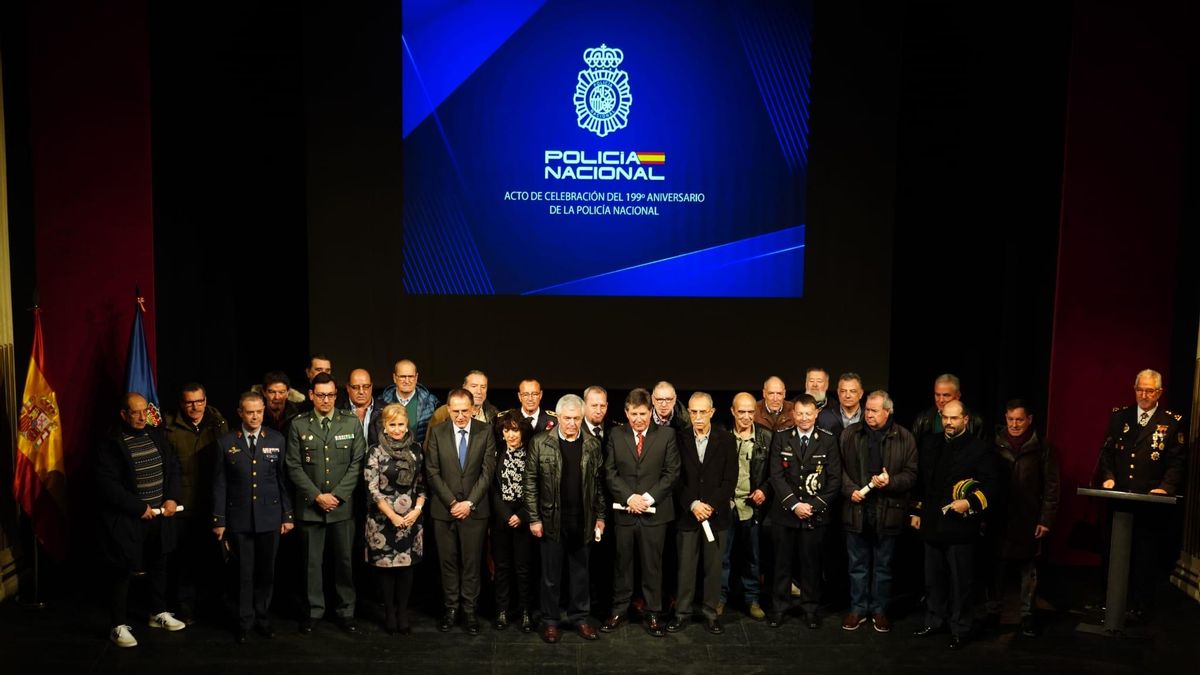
122,636
167,620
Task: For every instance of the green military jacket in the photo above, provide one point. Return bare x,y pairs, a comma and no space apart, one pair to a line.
321,461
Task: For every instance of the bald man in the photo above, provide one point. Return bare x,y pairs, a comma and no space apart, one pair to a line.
751,491
360,401
774,411
416,398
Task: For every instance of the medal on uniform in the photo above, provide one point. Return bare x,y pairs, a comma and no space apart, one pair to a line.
233,450
1126,429
1154,456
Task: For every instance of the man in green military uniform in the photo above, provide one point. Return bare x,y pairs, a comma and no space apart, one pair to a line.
324,461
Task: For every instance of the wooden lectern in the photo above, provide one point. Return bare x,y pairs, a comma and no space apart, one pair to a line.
1117,591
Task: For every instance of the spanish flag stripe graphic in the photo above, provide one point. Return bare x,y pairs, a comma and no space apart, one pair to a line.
652,157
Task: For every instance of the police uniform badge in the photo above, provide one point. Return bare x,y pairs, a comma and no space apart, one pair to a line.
602,96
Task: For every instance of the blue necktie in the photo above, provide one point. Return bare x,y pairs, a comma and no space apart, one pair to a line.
462,448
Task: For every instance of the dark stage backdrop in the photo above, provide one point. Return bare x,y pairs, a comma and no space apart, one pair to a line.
361,316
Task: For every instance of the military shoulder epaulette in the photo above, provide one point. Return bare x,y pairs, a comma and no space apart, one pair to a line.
1177,416
1120,408
551,413
825,431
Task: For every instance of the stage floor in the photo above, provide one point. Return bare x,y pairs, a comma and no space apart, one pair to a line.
72,639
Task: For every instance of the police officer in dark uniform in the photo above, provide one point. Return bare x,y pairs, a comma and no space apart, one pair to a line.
325,453
1144,451
251,509
806,477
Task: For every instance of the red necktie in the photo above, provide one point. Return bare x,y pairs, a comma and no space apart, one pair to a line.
639,442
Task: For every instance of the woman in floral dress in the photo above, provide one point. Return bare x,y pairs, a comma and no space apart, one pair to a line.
395,479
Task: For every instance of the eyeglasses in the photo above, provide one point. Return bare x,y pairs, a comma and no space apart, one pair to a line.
1147,391
195,404
406,377
664,400
324,396
359,387
530,394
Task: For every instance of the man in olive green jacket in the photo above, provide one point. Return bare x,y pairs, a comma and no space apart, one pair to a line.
324,461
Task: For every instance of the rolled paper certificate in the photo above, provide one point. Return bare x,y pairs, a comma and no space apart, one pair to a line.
622,507
708,531
599,532
158,512
862,492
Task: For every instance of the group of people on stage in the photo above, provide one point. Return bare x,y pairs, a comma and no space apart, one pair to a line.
595,501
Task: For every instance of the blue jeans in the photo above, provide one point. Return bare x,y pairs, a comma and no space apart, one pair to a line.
870,557
743,537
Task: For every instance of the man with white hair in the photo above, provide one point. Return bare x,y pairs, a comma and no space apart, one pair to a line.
565,502
1154,440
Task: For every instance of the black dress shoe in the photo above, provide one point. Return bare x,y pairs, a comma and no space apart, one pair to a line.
501,622
472,625
265,630
812,621
307,625
404,629
526,622
774,620
613,623
1029,627
654,626
449,619
957,642
925,631
677,624
239,636
714,626
348,624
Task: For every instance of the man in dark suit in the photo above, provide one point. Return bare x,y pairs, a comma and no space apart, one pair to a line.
251,509
460,460
641,465
956,472
137,485
529,395
595,413
806,476
325,452
709,473
1156,442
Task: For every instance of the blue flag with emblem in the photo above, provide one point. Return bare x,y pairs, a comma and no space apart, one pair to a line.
139,376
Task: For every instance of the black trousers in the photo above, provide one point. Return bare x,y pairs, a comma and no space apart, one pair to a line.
949,574
792,545
194,568
512,553
255,553
153,574
646,542
460,550
693,547
572,549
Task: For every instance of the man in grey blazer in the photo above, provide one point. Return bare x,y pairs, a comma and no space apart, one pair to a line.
641,465
460,459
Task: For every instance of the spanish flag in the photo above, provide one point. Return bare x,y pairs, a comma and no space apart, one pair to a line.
40,481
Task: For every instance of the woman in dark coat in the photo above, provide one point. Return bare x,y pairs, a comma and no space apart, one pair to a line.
395,539
512,544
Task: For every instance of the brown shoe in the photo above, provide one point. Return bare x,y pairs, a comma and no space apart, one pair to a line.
551,634
614,622
756,612
853,621
882,625
587,632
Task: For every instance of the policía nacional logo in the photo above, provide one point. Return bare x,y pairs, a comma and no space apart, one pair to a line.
602,96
